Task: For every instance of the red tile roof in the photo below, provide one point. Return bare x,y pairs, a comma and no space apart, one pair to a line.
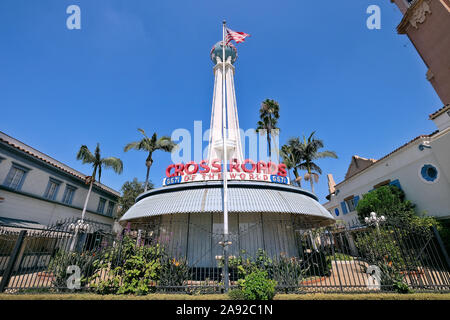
389,154
439,112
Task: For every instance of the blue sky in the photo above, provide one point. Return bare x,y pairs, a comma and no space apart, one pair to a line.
145,64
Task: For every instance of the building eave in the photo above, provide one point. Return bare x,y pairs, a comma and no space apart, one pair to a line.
64,169
416,139
437,113
405,22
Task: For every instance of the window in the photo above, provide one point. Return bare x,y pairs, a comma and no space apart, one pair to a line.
336,212
16,176
68,194
344,207
110,210
396,183
381,184
429,173
101,205
351,202
52,189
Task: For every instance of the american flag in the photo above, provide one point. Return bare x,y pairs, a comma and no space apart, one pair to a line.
236,36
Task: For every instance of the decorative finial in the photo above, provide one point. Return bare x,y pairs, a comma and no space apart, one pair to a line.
224,21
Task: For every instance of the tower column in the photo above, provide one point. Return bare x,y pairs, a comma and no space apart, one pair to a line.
233,141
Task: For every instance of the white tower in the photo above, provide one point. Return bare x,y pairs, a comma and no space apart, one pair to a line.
233,140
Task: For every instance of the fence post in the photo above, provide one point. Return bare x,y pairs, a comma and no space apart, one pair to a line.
441,245
12,261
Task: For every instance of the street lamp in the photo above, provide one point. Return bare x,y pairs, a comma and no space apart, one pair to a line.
374,220
79,227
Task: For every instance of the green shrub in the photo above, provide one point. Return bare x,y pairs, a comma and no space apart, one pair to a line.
257,286
378,247
338,256
389,201
401,286
135,269
174,272
246,265
236,294
288,272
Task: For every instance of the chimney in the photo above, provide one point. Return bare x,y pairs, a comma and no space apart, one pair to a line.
331,183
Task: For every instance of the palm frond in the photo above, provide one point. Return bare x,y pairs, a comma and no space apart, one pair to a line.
307,176
326,154
313,176
143,132
165,143
85,155
113,163
315,167
132,145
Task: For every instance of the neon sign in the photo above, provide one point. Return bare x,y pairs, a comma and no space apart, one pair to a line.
208,171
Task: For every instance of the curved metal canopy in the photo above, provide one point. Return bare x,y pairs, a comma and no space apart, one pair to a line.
244,196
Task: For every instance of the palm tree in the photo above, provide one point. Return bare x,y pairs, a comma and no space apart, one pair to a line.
308,150
291,159
97,162
269,115
150,145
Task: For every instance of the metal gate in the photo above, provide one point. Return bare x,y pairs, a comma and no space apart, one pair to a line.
299,257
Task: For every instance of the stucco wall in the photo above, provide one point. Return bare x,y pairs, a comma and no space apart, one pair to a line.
405,165
20,206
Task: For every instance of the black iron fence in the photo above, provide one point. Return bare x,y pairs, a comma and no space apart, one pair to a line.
65,257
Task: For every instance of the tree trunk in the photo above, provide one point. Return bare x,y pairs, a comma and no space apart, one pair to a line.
299,183
83,213
148,163
146,178
311,181
270,147
88,195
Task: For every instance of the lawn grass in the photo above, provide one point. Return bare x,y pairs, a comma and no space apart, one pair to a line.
316,296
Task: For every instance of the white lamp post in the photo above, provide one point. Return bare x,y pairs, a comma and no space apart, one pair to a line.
374,220
79,226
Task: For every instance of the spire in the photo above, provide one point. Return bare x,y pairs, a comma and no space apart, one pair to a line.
234,147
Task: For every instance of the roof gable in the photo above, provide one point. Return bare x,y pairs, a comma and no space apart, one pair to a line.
358,164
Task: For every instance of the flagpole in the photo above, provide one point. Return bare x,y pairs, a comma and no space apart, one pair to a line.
224,169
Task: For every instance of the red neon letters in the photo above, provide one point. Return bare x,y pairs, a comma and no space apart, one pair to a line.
248,166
